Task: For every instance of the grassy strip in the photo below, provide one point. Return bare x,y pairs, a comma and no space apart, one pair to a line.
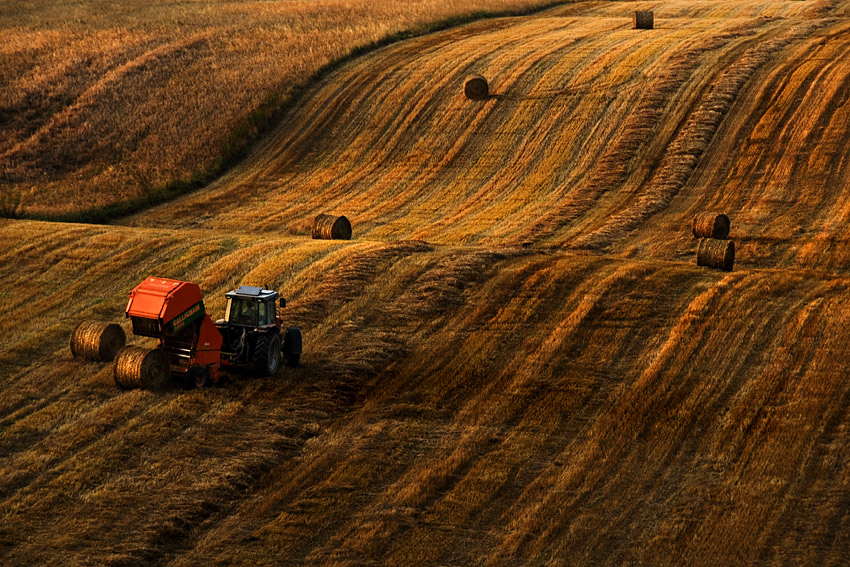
259,122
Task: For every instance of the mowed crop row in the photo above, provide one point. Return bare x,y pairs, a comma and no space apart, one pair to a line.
592,139
515,361
455,406
102,103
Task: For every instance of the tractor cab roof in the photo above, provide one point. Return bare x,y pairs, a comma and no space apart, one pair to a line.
251,292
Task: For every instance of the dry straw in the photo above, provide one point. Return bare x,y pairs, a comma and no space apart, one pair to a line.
711,225
475,87
643,20
719,254
137,367
330,227
97,341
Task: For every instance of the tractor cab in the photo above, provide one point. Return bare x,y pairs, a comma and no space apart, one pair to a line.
251,306
252,332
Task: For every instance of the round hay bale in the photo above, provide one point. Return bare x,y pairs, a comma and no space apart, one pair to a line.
97,341
643,20
137,367
330,227
711,225
718,254
475,87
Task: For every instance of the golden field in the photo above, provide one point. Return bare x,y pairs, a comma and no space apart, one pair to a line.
107,102
516,361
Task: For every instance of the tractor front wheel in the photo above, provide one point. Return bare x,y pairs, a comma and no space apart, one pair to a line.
267,355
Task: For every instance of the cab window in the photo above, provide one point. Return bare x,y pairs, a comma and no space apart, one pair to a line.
263,318
242,312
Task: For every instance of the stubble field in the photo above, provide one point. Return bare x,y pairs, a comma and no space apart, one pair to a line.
102,103
516,360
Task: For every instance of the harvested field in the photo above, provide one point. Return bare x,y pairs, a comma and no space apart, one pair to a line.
596,139
517,360
451,402
104,103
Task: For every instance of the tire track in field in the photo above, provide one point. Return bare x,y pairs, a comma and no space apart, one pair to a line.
470,405
530,406
617,463
563,155
685,151
783,185
617,164
124,454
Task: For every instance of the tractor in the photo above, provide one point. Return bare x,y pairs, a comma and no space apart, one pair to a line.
252,332
192,347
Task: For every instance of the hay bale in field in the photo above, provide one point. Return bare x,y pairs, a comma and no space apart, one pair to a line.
97,341
330,227
137,367
643,20
718,254
711,225
475,87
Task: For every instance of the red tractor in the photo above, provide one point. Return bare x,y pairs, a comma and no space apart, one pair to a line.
194,348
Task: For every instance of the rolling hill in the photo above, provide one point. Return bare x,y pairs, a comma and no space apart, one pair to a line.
147,100
516,360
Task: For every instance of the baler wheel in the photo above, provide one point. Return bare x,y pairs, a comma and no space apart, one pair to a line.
197,377
267,354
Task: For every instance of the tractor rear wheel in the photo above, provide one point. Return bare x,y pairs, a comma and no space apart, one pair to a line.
292,347
267,354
